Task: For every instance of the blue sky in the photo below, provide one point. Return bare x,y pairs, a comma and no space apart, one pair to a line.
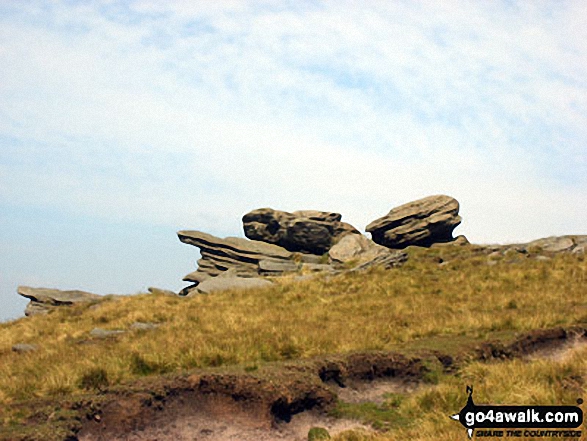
122,122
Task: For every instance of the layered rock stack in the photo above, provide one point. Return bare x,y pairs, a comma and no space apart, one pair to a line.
422,223
44,300
310,241
278,242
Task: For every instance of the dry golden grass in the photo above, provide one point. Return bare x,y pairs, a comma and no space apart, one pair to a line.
463,300
380,309
423,416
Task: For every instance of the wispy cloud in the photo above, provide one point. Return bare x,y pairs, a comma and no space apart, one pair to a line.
190,114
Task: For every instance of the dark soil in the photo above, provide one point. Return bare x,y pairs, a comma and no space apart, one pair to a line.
277,401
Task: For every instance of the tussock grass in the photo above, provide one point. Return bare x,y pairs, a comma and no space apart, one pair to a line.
464,299
424,414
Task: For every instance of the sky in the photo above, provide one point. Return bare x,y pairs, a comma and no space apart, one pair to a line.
122,122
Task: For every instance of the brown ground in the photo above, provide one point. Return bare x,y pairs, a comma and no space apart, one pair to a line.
276,402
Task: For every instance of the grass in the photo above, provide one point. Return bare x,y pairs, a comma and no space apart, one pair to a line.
422,305
424,414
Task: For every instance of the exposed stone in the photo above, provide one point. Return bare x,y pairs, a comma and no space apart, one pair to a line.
159,291
459,240
105,333
23,347
318,267
220,255
188,290
386,261
196,277
354,247
306,231
43,300
362,253
554,244
423,222
215,284
276,267
142,326
312,258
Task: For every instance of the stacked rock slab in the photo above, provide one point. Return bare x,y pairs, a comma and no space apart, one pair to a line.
422,223
307,231
44,300
232,255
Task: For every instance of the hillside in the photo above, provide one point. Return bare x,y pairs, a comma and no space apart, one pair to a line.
416,333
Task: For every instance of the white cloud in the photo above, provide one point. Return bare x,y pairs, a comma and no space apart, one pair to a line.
338,107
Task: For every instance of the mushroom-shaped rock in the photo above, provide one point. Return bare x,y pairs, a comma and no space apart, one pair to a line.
423,222
307,231
43,300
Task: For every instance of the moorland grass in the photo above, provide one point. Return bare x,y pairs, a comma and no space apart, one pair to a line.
463,299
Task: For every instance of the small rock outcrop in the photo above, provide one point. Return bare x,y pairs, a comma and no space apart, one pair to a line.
241,256
423,222
43,300
362,253
23,348
224,283
307,231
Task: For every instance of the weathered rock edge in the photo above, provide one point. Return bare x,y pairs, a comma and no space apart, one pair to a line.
422,223
308,231
44,300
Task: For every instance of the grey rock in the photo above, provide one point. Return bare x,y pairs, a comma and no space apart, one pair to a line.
159,291
355,247
231,253
306,231
142,326
423,222
579,249
363,253
276,267
312,258
23,348
386,261
43,300
543,258
554,244
215,284
105,333
196,276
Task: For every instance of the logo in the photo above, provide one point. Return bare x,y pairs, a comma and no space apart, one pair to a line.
519,420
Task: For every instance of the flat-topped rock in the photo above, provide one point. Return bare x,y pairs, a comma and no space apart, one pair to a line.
43,300
571,243
232,253
423,222
306,231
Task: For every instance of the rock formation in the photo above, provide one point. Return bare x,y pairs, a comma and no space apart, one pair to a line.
43,300
422,222
306,231
223,283
360,253
239,256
